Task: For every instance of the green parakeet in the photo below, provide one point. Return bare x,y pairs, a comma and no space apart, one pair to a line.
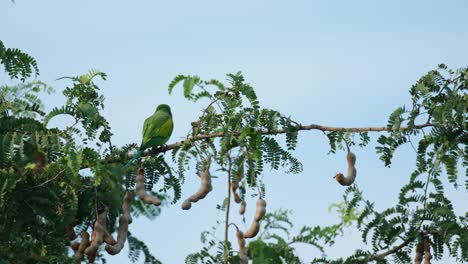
157,130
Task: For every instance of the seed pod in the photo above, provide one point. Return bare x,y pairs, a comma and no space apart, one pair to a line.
427,252
235,184
127,206
241,241
108,238
419,253
242,208
205,186
74,246
351,175
187,204
71,235
261,209
259,214
83,245
237,198
97,238
140,190
253,230
124,220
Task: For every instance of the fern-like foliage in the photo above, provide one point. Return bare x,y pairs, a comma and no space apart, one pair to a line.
422,211
44,190
17,63
234,111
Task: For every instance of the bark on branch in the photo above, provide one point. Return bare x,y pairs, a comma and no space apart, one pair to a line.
282,131
390,251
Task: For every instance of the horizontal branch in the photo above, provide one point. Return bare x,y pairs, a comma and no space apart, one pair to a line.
178,144
390,251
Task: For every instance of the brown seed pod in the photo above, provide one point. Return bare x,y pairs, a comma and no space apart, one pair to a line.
235,184
83,245
127,206
259,214
261,209
140,189
351,175
40,159
242,208
74,246
205,186
71,235
108,238
253,230
427,252
187,204
241,241
97,238
237,198
124,220
419,253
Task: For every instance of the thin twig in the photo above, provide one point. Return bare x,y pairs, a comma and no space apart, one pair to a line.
49,180
228,207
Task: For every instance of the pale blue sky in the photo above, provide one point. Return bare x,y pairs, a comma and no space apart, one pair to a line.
343,63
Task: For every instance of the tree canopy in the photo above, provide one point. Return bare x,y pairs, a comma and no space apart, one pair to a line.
57,183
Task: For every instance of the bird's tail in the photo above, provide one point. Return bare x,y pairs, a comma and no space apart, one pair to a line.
137,155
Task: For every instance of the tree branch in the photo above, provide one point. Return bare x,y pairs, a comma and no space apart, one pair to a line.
283,131
390,251
163,149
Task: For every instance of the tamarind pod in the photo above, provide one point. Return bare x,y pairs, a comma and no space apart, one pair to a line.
427,252
187,204
242,208
127,206
204,189
240,173
351,174
351,159
121,237
83,245
237,198
92,258
108,238
71,235
419,253
235,184
140,190
97,237
253,230
241,241
74,246
261,209
124,220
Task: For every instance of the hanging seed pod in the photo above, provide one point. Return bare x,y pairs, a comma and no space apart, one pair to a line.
83,245
351,175
427,252
205,186
242,252
140,189
124,220
419,253
71,235
235,184
259,214
242,208
74,246
253,230
99,235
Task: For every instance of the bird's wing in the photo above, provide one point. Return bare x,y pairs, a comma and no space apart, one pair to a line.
158,125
